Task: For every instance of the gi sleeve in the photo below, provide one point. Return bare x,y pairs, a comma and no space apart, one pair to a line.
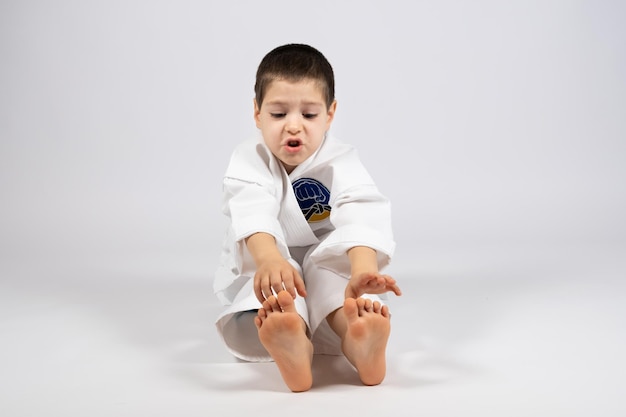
360,215
251,203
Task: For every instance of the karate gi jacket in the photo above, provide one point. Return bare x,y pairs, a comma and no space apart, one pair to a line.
329,202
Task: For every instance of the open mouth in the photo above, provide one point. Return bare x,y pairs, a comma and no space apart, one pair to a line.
293,145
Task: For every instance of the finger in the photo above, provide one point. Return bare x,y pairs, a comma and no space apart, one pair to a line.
389,280
299,284
277,283
257,289
378,283
289,287
396,290
266,287
392,286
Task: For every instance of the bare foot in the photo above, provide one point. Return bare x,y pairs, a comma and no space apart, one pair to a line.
366,338
283,333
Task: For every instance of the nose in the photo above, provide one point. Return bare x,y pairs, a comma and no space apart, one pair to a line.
293,125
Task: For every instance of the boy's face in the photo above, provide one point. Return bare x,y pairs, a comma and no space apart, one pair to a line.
293,120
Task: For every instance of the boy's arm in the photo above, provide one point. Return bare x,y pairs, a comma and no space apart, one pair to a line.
364,275
273,271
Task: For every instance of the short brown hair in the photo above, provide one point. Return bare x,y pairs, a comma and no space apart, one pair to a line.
295,62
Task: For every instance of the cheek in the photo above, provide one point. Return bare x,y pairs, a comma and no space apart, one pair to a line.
272,133
275,129
266,125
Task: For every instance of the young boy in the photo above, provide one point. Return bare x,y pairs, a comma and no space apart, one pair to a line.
309,232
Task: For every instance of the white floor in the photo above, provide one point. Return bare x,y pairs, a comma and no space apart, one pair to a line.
508,331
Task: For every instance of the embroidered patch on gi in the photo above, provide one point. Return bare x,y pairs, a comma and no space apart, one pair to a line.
313,198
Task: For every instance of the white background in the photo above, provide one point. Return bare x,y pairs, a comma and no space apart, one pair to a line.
497,129
483,122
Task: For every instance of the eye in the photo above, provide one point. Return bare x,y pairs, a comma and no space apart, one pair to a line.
277,115
309,115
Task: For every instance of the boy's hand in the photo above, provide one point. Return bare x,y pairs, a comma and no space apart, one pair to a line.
365,277
371,283
274,275
273,272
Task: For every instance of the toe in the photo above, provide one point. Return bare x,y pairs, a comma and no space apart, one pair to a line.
271,304
351,309
260,318
360,302
385,311
285,301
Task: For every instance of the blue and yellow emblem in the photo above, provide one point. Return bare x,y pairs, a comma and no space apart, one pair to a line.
313,198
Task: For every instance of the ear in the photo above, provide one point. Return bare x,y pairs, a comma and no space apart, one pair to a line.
331,114
257,114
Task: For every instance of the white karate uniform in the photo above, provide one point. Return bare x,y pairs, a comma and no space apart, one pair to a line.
327,205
